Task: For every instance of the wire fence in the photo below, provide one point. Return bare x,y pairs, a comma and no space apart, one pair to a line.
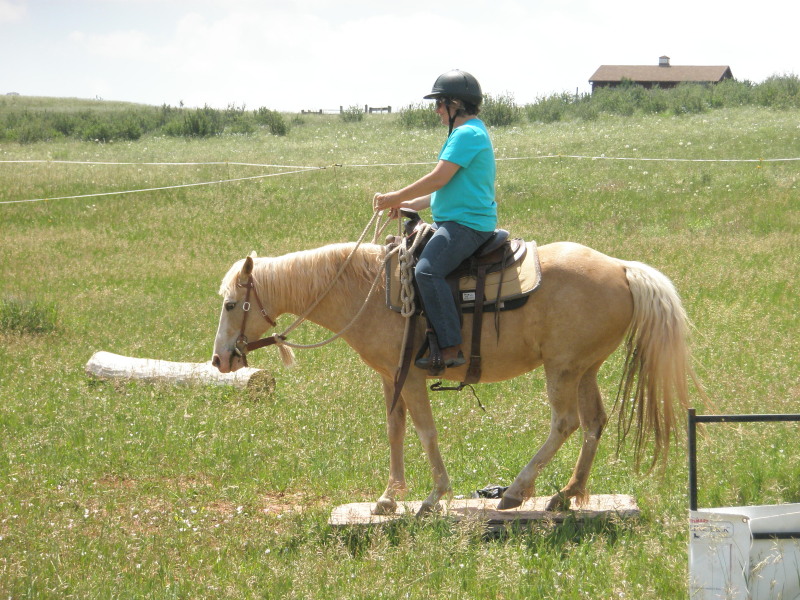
296,169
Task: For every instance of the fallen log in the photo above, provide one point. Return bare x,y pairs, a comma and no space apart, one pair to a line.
107,365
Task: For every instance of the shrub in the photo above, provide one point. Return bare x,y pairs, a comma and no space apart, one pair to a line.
731,93
32,131
234,113
241,127
620,100
108,127
235,120
419,116
549,109
352,114
585,109
779,91
130,129
202,122
654,101
689,98
272,119
500,111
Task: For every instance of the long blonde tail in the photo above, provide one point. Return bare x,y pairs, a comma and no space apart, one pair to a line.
654,379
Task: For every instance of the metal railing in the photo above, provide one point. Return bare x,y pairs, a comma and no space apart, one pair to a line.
694,419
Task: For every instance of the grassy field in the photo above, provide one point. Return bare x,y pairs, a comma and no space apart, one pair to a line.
132,490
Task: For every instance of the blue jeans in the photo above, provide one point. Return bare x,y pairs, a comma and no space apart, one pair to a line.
448,247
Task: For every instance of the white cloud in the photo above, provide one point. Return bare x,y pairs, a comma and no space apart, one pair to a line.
118,45
12,11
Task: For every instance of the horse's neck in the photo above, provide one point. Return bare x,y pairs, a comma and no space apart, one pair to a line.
302,279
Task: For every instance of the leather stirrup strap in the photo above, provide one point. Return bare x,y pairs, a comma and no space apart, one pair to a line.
506,252
405,362
474,369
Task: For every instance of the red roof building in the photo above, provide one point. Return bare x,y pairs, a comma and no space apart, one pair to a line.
662,75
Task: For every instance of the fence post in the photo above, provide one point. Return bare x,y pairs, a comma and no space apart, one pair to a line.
692,451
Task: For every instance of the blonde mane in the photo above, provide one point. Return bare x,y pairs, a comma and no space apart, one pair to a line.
306,272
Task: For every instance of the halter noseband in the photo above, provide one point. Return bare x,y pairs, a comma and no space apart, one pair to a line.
242,347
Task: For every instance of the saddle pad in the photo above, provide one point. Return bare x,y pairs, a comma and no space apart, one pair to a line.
518,280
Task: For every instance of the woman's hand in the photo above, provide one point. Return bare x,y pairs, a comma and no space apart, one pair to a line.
417,195
393,204
389,201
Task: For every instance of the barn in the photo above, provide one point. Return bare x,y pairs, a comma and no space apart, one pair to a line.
662,75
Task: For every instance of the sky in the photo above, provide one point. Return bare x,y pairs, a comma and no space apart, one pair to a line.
293,55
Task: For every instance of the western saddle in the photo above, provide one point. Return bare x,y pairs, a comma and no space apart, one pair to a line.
477,285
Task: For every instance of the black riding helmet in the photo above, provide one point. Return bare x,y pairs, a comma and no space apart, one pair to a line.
457,85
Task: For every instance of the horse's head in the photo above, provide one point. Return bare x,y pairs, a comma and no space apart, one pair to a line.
236,324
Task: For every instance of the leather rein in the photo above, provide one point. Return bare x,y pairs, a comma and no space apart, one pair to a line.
242,347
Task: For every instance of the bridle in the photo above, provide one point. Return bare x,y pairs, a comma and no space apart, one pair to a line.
242,347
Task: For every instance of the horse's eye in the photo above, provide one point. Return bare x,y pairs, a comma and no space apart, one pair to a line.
229,306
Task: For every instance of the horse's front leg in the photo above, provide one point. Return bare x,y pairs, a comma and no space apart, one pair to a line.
396,431
415,395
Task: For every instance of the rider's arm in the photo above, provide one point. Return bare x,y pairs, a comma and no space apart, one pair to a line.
417,204
422,188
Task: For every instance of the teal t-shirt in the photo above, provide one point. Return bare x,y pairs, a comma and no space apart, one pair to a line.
468,198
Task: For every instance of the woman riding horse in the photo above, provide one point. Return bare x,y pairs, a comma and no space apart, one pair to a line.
460,194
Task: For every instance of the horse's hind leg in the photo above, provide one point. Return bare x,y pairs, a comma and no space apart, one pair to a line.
562,391
593,420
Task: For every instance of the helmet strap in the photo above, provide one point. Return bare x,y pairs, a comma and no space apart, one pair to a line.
452,116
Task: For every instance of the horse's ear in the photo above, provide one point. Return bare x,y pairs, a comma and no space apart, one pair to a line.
247,267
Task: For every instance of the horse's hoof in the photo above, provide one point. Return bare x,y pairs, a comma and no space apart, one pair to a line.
385,506
507,502
558,503
428,509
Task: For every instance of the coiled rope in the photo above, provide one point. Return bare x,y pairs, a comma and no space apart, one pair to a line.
406,262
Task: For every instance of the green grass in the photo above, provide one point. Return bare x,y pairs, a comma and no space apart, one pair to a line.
130,490
30,316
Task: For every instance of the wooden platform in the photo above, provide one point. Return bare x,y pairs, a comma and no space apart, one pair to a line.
619,505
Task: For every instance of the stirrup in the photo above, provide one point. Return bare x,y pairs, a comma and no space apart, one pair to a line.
433,363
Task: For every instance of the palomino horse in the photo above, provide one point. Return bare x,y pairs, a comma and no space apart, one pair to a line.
585,306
